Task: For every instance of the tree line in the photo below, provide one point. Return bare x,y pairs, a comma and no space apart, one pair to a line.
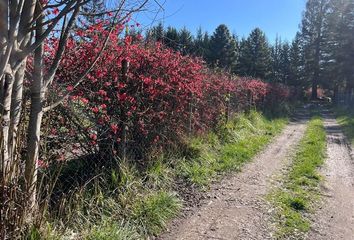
250,56
321,54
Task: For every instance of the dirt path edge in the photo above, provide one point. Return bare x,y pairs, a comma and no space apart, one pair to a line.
235,208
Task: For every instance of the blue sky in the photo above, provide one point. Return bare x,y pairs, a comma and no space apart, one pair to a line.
280,17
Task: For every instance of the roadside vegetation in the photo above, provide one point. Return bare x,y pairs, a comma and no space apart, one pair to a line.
103,120
300,187
345,117
135,204
230,147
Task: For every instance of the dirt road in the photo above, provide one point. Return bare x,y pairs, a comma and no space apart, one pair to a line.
236,208
335,219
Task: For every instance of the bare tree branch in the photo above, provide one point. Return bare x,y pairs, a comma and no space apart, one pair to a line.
14,21
61,48
83,76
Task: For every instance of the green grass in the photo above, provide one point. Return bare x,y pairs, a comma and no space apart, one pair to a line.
109,230
301,184
345,117
152,213
229,148
132,203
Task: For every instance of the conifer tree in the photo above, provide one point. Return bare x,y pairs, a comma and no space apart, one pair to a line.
339,47
296,63
172,38
276,60
255,56
284,65
312,34
223,48
185,41
198,47
206,46
156,34
92,12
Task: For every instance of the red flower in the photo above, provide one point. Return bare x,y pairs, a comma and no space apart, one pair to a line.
102,93
95,110
128,40
44,2
84,100
122,97
93,136
53,131
70,88
114,128
42,164
55,11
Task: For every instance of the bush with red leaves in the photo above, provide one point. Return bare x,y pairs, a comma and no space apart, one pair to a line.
161,97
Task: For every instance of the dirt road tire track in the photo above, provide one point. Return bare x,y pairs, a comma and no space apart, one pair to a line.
335,218
236,207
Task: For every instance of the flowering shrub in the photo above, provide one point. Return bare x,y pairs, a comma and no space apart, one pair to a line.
157,99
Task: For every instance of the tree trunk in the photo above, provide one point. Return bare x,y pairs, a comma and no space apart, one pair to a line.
314,88
317,46
335,94
316,73
33,140
5,121
16,108
34,127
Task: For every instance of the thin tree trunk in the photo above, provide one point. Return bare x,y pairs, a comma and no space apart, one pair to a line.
336,94
4,15
314,88
318,41
16,107
34,127
316,74
5,121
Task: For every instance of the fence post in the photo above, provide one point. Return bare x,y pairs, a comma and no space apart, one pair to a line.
190,127
228,107
250,100
125,128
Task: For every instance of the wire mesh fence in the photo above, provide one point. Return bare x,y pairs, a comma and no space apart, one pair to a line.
81,154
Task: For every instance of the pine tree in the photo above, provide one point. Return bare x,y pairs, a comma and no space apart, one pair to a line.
296,63
255,56
244,60
185,41
201,44
172,38
206,46
339,49
198,43
156,34
234,46
276,60
284,64
223,48
312,34
92,12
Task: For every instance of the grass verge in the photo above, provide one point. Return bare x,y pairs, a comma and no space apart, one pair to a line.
301,184
229,148
137,204
345,117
